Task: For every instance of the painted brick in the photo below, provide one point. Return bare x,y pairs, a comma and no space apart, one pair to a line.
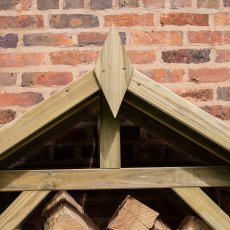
61,21
7,116
47,40
8,79
74,57
46,78
142,56
9,41
226,37
18,60
209,75
46,5
223,56
222,19
165,75
129,20
22,21
156,38
24,99
223,93
154,3
180,3
182,19
186,56
226,3
128,3
205,37
218,111
195,95
212,4
100,4
73,4
8,4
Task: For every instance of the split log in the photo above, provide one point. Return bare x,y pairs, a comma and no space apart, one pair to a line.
193,223
134,215
63,212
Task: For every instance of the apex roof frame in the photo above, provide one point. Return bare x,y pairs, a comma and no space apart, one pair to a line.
143,94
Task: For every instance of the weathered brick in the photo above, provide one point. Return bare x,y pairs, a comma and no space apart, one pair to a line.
195,95
226,3
223,93
7,116
180,3
128,3
17,60
129,20
73,4
8,79
8,4
74,57
156,38
22,21
21,99
9,41
212,4
226,38
100,4
222,19
61,21
165,75
26,4
46,5
154,3
218,111
209,75
205,37
46,78
223,56
182,19
186,56
142,56
47,40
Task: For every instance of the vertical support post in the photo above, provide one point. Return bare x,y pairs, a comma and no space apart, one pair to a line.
109,137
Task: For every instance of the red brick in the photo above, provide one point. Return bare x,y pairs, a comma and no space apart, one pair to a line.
226,3
129,20
46,78
61,21
182,19
154,3
205,37
156,38
226,37
22,21
128,3
9,41
142,56
165,75
8,4
212,4
100,4
223,93
209,75
222,19
186,56
7,116
21,99
46,5
19,60
47,40
73,4
218,111
8,79
180,3
195,95
74,57
26,4
223,56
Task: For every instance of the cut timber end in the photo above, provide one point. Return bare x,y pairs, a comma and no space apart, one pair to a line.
113,70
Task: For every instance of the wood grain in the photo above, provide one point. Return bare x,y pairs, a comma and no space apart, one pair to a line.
124,178
207,209
20,208
113,70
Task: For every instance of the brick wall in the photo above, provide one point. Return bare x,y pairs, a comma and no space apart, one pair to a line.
183,44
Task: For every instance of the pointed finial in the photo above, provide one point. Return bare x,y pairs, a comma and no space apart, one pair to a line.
113,70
